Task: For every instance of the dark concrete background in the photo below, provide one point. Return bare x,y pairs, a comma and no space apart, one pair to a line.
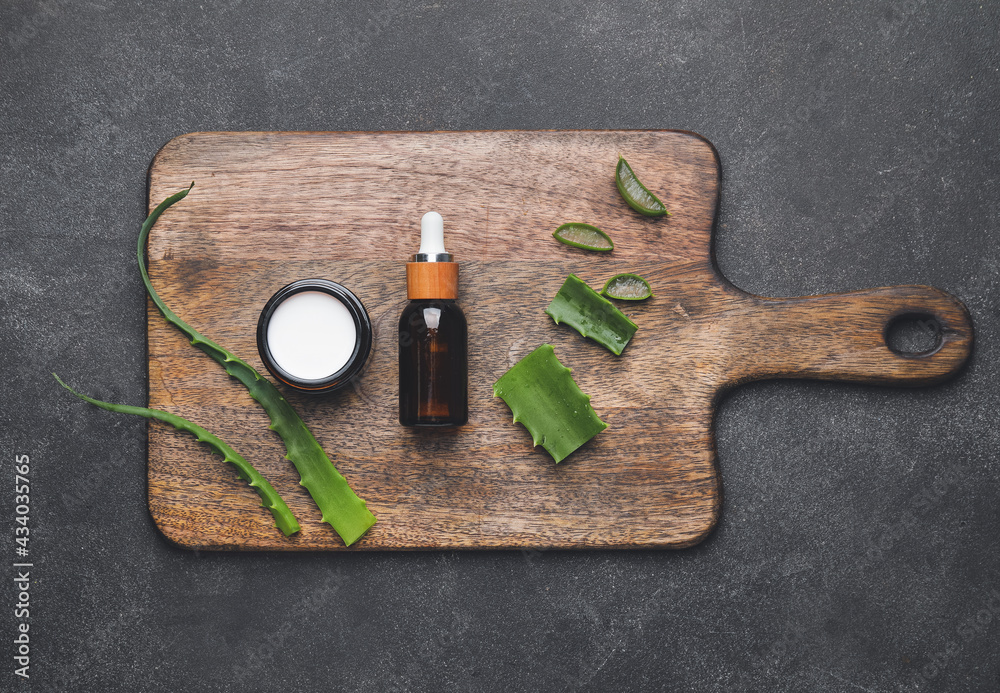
858,547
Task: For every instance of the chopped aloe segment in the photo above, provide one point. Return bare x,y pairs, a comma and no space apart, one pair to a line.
592,315
580,235
543,397
627,287
636,194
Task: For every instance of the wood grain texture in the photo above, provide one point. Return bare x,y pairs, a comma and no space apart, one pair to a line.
271,208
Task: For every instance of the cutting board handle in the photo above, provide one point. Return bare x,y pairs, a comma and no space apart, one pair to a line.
844,337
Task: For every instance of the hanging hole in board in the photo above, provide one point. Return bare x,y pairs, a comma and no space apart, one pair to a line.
913,334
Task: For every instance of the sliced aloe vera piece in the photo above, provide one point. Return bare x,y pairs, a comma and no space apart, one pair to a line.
636,194
283,517
592,315
580,235
627,287
543,397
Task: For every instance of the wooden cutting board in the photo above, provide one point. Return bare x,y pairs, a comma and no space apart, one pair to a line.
271,208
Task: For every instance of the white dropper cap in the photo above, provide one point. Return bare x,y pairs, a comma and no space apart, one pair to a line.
432,234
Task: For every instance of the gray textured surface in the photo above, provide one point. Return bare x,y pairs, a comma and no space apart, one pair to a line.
858,542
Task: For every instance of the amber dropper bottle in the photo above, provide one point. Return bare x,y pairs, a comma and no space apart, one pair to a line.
433,361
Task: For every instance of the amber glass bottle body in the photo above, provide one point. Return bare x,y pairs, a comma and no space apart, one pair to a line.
433,364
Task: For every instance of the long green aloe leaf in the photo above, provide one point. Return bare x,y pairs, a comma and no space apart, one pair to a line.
283,517
543,396
341,507
592,315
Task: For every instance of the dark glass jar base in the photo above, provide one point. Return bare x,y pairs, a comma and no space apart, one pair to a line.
362,346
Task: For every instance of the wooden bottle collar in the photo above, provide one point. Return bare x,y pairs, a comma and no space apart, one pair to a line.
431,280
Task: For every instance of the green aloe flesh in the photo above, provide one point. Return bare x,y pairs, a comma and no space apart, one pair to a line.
283,517
543,396
592,315
580,235
340,506
627,287
635,193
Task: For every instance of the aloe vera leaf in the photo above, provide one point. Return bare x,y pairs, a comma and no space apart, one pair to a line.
543,397
342,509
592,315
283,517
635,193
627,287
580,235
